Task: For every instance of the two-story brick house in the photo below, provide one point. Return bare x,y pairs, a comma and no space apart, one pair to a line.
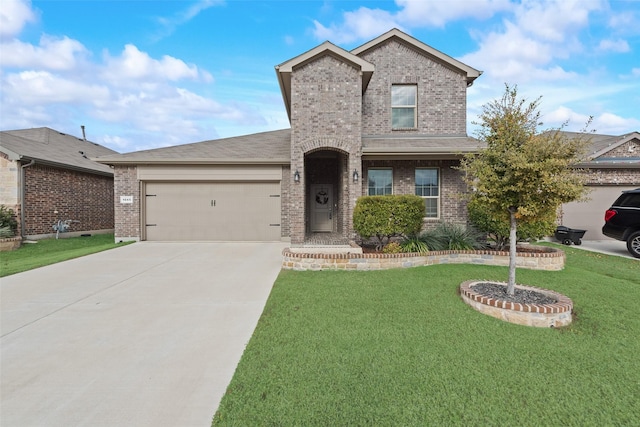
388,117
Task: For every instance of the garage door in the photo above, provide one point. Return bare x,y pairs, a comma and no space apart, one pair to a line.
212,211
590,215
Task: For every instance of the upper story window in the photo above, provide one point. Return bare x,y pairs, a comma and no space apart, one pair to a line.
403,106
428,187
380,182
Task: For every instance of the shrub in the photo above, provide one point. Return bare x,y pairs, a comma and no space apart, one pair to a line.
414,244
8,222
392,248
448,236
385,217
497,227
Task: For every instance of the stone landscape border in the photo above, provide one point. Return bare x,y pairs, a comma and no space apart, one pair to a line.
535,258
10,243
539,315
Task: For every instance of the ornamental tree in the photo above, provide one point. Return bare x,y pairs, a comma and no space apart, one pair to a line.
522,176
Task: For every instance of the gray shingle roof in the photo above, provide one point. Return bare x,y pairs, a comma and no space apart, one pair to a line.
442,145
53,148
265,147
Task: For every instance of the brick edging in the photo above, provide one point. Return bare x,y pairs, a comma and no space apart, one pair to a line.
563,303
550,259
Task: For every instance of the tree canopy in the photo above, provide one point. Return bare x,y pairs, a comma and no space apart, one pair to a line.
523,175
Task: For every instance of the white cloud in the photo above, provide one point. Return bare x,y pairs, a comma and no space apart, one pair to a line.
420,13
365,23
169,24
555,20
14,15
619,46
360,24
611,124
133,64
43,87
52,53
528,44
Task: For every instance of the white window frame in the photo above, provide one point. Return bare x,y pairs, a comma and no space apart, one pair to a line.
399,105
369,170
436,198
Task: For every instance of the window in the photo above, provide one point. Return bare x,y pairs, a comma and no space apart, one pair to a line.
380,182
428,187
403,106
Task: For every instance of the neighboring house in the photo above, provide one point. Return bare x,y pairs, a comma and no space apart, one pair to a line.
48,175
612,166
388,117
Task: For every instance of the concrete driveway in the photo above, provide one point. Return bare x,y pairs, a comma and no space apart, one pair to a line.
144,335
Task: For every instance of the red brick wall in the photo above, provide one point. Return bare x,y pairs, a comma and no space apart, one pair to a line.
80,196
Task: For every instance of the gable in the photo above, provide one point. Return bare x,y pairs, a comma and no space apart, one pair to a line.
285,70
421,48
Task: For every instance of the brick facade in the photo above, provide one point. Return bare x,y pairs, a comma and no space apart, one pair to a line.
609,176
80,196
453,206
127,216
442,92
326,114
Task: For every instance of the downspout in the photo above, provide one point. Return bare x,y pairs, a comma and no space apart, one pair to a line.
22,193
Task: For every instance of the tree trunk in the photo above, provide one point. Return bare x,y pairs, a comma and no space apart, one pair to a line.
512,251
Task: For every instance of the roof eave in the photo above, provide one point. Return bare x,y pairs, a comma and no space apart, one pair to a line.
59,165
192,161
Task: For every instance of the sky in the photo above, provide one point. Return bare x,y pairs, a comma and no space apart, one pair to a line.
146,74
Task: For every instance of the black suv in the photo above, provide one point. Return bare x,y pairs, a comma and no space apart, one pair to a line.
622,220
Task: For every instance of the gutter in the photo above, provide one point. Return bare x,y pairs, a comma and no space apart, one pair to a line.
22,193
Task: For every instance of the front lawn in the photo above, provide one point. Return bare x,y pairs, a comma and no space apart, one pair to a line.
51,251
399,347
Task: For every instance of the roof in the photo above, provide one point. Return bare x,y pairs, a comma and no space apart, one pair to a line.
413,146
601,144
285,69
52,148
423,48
273,147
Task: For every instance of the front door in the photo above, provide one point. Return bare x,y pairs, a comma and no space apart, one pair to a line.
321,207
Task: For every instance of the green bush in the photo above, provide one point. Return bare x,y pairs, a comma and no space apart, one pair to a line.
453,237
414,244
497,226
8,223
392,248
385,217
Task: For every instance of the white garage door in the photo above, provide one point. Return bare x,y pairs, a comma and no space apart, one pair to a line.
590,215
212,211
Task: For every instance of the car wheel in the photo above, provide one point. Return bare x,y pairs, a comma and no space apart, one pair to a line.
633,244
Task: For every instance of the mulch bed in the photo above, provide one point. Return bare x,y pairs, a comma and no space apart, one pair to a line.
522,296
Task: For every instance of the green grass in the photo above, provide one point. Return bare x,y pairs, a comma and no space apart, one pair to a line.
51,251
399,347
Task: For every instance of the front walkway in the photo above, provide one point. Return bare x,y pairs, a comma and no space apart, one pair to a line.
147,334
325,239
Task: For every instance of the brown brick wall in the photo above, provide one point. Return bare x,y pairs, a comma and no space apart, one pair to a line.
613,176
326,113
442,93
127,216
453,207
626,150
80,196
285,185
